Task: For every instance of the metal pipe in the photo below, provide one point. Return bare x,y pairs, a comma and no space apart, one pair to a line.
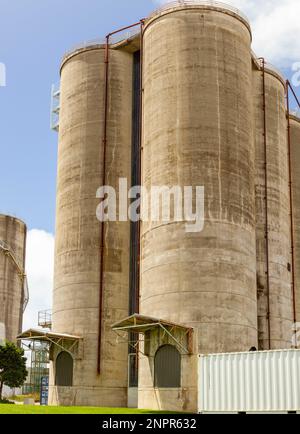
102,230
293,92
266,201
24,283
125,28
291,206
138,289
140,165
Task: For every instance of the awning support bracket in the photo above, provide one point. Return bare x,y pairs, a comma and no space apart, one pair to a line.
175,340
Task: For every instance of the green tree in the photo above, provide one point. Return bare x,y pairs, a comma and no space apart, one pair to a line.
13,371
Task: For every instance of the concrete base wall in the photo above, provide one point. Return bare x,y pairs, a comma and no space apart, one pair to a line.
169,399
132,401
87,396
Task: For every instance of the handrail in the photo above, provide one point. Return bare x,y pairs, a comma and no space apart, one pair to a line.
183,3
114,39
269,67
45,318
130,34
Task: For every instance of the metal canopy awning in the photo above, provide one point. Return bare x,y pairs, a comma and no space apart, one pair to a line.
142,324
64,341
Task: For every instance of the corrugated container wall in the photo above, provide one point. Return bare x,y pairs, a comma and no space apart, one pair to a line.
78,232
250,382
13,234
197,131
275,291
295,154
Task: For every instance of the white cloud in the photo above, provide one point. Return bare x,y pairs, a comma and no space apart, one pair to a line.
275,27
39,269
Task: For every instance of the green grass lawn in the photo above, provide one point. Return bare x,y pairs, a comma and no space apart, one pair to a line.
24,409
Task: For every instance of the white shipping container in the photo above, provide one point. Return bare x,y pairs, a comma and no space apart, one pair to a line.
267,381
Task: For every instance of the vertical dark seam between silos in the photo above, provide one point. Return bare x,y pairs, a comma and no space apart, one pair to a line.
266,202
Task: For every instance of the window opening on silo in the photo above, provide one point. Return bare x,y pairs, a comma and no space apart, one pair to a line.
64,370
167,367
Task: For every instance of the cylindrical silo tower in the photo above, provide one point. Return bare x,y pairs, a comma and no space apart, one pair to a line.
273,222
295,159
78,283
198,131
12,277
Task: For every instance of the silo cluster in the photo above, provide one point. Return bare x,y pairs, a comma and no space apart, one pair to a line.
12,277
183,103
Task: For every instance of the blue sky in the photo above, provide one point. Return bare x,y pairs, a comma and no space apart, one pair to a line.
34,35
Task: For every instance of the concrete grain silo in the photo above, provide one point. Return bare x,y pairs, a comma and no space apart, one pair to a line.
84,300
198,131
273,223
295,159
12,276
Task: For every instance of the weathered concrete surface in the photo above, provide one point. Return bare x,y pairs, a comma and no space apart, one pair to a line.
295,154
197,131
78,232
13,233
278,206
184,398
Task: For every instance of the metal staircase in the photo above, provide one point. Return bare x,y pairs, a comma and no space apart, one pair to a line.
6,250
55,107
